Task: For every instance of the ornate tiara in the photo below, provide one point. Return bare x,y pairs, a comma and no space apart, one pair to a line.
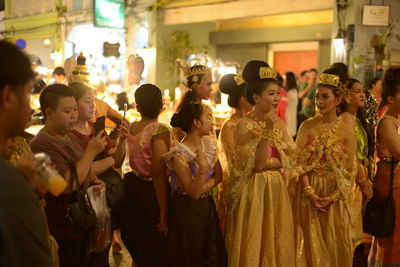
267,73
238,79
334,80
196,70
329,79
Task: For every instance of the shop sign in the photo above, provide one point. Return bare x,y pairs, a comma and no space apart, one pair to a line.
109,13
111,50
376,16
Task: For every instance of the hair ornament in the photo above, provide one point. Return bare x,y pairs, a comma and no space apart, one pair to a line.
238,79
267,73
334,80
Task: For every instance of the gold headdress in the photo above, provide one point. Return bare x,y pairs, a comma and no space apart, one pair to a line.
238,79
267,73
80,73
194,72
334,80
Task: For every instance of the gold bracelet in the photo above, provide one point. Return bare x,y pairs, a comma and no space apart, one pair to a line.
362,180
308,191
268,164
335,196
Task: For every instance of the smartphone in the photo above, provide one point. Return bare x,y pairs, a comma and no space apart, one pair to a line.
100,124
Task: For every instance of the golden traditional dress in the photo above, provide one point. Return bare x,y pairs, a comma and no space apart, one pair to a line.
328,159
367,164
226,155
259,228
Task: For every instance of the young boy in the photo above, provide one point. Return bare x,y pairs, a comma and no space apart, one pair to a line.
60,112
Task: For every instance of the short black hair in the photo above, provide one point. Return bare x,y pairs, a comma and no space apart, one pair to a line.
15,66
304,72
342,67
374,81
313,70
51,95
148,98
59,71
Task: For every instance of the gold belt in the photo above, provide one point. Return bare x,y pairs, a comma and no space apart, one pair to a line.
322,168
141,177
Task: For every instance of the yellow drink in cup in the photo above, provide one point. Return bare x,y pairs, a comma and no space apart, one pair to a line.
49,177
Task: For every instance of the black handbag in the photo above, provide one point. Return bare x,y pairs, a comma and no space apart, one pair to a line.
80,211
115,192
379,215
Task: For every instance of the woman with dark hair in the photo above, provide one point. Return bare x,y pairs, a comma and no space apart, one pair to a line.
234,86
323,199
145,220
290,86
259,229
386,251
103,165
375,86
352,111
194,234
198,82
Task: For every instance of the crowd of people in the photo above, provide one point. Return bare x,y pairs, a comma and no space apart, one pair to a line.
262,191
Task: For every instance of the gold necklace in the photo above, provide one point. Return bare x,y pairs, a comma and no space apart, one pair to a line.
261,123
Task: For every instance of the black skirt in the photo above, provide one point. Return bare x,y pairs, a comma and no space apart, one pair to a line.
195,238
138,220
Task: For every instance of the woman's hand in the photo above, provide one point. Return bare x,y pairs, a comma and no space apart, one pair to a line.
124,130
366,189
28,165
319,203
270,118
201,159
162,226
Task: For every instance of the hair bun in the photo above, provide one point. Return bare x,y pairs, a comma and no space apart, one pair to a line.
251,72
227,84
176,120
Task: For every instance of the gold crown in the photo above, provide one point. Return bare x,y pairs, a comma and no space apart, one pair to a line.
329,79
238,79
196,70
334,80
80,72
267,73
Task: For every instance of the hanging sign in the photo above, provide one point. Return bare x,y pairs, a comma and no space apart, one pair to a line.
109,13
376,15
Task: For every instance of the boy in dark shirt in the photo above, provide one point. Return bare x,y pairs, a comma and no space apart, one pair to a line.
60,111
23,235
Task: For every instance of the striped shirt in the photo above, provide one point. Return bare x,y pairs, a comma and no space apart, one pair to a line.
63,154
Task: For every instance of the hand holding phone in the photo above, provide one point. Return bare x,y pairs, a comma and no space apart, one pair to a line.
100,124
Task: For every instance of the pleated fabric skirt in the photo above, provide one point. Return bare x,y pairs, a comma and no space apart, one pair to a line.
385,252
194,235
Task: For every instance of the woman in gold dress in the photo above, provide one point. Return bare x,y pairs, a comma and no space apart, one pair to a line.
353,112
323,200
234,86
259,228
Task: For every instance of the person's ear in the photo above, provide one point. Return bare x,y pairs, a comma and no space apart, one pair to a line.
8,97
197,123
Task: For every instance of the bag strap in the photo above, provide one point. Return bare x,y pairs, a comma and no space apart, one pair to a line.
393,164
73,177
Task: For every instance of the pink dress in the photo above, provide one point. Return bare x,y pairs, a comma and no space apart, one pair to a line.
141,149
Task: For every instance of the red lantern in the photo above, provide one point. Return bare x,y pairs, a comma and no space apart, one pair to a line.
135,68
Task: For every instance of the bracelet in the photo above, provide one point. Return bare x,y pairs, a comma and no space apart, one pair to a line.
335,196
308,191
268,163
362,180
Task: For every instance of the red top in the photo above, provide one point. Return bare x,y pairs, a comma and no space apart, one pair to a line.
281,109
